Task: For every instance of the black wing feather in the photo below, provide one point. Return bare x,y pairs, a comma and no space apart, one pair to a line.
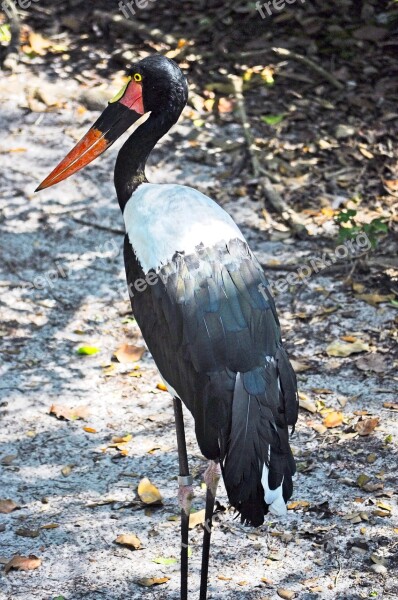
211,325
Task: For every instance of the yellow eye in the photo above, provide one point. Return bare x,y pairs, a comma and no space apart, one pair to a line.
137,77
121,92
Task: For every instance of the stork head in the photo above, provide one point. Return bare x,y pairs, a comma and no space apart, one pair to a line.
155,84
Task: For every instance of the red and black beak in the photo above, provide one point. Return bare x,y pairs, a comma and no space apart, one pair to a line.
119,115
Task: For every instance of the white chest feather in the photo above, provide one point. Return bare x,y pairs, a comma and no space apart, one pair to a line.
162,219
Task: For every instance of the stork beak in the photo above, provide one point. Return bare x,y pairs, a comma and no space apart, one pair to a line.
118,116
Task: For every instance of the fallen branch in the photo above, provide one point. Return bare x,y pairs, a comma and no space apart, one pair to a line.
98,226
121,24
289,54
285,53
274,198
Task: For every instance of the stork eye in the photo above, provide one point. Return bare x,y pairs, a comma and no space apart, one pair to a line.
137,77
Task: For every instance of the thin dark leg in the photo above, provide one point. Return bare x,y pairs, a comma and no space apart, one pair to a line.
212,477
185,494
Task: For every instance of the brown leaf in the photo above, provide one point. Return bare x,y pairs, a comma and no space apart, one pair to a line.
299,366
122,439
23,563
67,470
286,594
90,429
127,353
333,419
366,426
298,504
150,581
391,405
7,506
373,362
6,461
318,427
38,44
129,540
338,348
25,532
196,518
375,299
69,414
149,493
306,403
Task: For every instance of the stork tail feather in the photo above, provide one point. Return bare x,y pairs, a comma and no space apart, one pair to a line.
258,464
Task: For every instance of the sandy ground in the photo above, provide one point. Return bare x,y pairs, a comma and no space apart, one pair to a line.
326,549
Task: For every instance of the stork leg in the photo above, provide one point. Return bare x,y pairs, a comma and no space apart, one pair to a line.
211,477
185,493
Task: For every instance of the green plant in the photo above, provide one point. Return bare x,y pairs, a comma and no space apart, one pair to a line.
349,228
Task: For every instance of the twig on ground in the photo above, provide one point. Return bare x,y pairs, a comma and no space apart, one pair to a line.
338,573
289,54
275,200
98,226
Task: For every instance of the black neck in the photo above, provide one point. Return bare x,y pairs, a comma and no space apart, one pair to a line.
130,162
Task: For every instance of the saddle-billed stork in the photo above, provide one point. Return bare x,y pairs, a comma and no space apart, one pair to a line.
203,304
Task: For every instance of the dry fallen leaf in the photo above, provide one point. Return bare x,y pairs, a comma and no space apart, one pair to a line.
161,386
7,506
70,414
338,348
37,44
150,581
373,362
25,532
333,419
23,563
298,504
391,405
286,594
67,470
127,353
129,540
122,439
318,427
306,403
196,518
149,493
299,366
375,299
7,460
366,426
90,430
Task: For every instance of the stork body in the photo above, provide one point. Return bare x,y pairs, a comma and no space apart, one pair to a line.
203,305
211,326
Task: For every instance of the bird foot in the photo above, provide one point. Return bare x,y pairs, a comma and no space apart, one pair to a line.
212,476
185,493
